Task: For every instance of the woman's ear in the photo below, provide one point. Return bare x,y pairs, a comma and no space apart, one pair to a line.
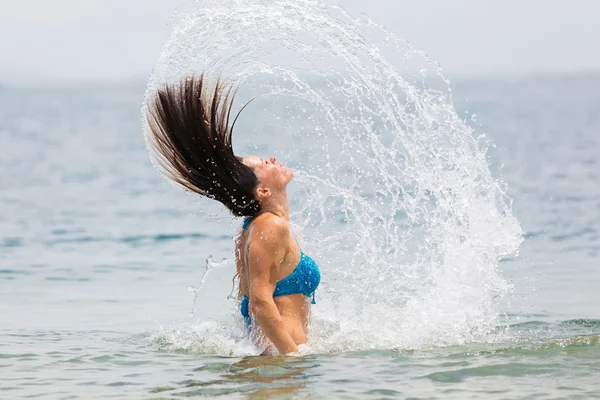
263,193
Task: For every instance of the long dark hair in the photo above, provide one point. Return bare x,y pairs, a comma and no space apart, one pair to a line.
191,139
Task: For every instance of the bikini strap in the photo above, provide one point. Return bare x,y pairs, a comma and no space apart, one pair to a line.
297,243
247,221
296,240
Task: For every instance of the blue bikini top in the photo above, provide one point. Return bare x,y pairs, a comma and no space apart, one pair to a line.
304,279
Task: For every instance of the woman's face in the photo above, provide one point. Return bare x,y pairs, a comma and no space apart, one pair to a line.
271,174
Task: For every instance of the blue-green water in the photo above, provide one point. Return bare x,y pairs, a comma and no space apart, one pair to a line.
97,250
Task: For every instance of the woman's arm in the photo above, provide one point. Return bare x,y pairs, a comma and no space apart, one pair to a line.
268,247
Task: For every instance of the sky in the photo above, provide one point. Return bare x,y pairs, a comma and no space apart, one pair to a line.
100,40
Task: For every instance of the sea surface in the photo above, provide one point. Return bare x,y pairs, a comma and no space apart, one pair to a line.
100,257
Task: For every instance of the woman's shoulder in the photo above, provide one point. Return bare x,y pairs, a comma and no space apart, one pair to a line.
272,223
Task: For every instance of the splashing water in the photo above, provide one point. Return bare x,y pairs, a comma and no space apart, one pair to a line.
393,192
210,265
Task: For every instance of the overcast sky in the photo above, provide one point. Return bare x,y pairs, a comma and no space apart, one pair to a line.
119,39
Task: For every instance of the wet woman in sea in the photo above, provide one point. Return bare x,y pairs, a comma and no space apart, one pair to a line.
191,143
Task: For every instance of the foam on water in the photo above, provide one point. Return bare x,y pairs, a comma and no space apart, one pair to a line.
393,192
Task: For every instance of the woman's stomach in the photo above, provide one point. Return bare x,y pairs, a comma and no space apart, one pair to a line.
294,310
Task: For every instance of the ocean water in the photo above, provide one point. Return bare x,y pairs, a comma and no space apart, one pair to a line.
97,252
455,265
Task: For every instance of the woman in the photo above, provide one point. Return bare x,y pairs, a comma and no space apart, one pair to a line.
191,141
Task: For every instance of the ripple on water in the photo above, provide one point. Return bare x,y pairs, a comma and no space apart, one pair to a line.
507,369
24,355
123,383
137,240
11,242
583,322
13,272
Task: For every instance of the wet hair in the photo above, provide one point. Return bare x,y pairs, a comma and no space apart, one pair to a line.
191,141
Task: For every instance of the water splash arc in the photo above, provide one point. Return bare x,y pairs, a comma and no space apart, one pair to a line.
393,191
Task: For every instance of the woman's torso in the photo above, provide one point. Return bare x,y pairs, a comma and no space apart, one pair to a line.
294,308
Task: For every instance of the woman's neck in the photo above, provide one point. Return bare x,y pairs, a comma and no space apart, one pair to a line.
277,205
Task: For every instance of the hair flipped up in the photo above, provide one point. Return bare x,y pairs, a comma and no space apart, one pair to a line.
191,141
